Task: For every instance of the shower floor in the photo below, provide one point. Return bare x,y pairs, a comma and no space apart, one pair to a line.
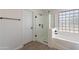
36,46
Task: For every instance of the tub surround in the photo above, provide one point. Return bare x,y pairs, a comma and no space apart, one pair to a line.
64,40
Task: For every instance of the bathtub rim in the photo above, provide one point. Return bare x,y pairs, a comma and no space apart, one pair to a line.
53,38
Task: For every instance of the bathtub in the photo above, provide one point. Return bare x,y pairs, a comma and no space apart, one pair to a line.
66,41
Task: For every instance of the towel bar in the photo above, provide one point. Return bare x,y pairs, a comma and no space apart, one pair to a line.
9,18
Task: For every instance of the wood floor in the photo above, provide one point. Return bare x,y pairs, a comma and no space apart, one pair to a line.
36,46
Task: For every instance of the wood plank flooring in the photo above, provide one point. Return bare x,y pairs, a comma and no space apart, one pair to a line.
36,46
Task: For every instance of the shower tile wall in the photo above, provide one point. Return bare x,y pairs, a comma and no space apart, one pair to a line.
40,27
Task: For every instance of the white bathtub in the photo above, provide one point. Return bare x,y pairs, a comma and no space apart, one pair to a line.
66,41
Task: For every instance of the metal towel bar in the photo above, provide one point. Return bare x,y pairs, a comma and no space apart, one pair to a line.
9,18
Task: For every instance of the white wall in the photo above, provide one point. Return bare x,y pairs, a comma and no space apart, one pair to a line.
11,31
27,25
52,25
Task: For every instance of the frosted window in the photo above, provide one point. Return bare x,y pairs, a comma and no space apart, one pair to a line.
68,21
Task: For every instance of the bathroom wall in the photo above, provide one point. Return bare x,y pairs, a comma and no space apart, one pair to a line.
11,31
27,26
52,25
